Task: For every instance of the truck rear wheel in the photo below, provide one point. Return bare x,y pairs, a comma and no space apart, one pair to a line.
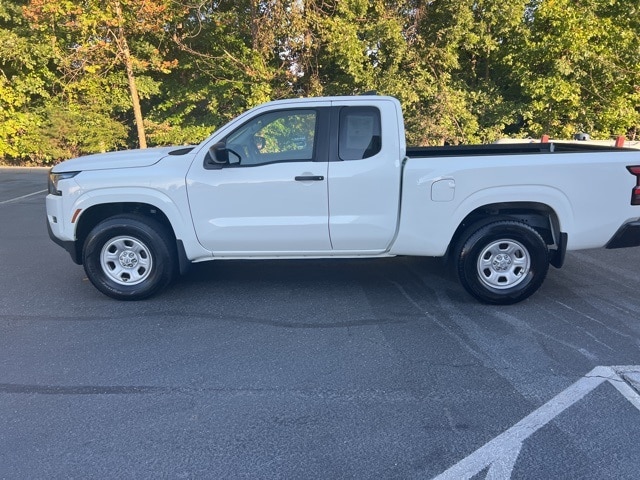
502,262
129,257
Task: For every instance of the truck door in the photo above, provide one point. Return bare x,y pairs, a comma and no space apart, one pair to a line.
271,196
364,176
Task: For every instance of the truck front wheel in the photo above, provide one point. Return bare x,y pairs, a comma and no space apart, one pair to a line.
129,257
502,262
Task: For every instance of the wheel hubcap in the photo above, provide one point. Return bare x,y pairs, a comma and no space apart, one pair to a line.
126,260
503,264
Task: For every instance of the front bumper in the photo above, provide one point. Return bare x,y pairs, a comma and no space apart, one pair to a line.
628,235
56,229
68,245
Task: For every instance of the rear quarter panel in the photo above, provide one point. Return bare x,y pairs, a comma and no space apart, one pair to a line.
589,192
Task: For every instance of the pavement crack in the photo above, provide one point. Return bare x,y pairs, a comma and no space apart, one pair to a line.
78,389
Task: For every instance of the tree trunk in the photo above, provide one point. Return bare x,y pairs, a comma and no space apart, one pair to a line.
123,46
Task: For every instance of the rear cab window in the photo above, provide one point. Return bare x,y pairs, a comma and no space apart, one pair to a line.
359,133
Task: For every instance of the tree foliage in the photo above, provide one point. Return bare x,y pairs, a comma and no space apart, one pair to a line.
91,76
579,68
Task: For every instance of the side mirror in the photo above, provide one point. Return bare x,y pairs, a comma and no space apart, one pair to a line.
218,155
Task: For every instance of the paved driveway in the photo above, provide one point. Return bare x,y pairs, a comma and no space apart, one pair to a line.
311,369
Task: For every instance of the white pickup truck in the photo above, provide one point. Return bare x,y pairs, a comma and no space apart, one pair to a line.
333,177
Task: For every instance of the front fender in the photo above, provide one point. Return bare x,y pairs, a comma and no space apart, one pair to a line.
175,209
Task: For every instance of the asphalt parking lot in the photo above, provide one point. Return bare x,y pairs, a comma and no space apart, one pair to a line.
312,369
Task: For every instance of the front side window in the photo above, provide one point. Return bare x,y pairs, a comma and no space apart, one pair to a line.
280,136
359,136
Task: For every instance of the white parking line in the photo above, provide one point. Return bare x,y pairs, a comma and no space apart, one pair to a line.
11,200
501,453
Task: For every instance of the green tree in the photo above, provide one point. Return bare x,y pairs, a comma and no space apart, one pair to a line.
228,62
25,81
96,38
74,76
579,67
463,46
355,46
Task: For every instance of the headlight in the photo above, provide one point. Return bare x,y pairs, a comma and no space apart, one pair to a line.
54,178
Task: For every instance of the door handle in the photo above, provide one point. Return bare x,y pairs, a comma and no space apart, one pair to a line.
309,178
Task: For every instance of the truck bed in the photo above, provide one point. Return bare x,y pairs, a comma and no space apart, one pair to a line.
508,149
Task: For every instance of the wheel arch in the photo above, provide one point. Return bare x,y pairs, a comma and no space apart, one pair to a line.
540,216
93,215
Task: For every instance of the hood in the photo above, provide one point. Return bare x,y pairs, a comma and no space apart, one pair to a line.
122,159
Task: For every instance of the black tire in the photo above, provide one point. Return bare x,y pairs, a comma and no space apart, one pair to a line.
502,262
129,257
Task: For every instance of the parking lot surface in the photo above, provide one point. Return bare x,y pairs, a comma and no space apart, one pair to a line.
311,369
